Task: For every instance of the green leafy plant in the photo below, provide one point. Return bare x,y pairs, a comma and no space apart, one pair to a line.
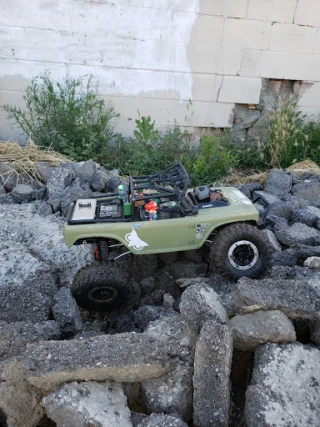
212,160
67,116
150,150
145,132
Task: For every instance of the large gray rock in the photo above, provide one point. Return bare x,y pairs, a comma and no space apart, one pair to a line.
293,297
284,389
26,193
61,177
199,303
265,198
128,357
278,183
40,240
275,245
170,394
14,337
211,380
43,171
304,216
313,263
315,211
76,191
162,420
20,403
26,293
297,234
251,330
148,313
88,404
308,191
66,313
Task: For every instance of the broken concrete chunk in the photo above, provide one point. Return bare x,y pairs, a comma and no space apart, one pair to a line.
251,330
278,183
199,303
88,404
211,380
66,313
285,386
293,297
162,420
171,393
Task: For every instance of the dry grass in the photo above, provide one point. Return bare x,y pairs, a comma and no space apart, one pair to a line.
298,169
22,160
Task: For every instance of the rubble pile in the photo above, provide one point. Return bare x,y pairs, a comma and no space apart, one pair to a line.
189,348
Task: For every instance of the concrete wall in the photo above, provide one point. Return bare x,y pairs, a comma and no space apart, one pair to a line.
180,61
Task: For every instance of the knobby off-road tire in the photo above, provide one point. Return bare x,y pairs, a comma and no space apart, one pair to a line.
240,250
100,288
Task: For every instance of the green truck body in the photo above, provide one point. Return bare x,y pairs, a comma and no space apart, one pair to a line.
171,234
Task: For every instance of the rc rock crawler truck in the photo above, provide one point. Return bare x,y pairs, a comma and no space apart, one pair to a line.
160,213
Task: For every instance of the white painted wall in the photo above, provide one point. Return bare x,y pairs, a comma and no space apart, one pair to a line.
180,61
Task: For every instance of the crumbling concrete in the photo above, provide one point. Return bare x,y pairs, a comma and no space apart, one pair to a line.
88,404
260,327
284,389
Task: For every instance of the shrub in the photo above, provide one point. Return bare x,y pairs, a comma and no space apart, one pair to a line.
213,160
149,151
68,116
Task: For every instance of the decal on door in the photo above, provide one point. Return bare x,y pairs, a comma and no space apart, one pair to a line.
134,240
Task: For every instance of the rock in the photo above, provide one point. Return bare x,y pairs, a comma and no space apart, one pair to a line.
88,171
25,293
308,191
304,216
66,313
113,180
187,269
128,357
185,282
44,209
147,313
211,380
99,180
14,337
287,257
284,389
168,300
279,209
199,303
19,401
88,404
275,245
248,189
313,263
265,197
72,193
194,256
292,297
43,171
274,220
170,394
26,193
278,183
251,330
315,211
61,177
42,237
297,234
162,420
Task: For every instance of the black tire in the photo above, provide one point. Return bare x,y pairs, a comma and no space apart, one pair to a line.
100,288
240,250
